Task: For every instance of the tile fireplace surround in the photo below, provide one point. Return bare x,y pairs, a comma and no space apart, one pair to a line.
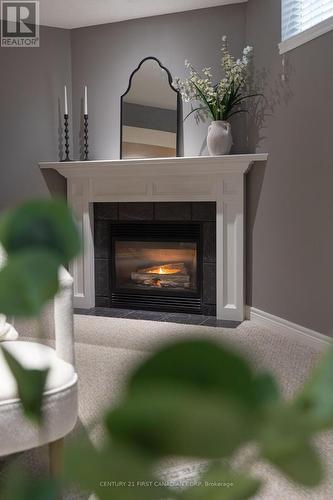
134,225
218,179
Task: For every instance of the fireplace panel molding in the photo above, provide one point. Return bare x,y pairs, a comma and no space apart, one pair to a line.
219,179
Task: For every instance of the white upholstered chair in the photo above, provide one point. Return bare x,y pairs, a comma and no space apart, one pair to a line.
60,406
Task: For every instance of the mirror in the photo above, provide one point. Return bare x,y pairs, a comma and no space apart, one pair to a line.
150,110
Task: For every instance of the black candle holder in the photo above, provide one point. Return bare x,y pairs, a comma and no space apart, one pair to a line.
66,129
85,138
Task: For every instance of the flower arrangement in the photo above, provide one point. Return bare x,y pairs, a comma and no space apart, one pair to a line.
218,101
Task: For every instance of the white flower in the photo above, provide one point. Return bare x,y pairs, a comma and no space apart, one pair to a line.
247,50
200,87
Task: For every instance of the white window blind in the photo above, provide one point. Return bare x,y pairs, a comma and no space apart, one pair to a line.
300,15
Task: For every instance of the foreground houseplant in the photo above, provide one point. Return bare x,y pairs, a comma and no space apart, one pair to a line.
218,102
191,399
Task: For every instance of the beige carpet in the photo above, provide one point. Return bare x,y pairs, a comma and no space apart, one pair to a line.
107,349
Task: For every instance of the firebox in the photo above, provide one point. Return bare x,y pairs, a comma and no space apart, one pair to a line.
157,256
157,266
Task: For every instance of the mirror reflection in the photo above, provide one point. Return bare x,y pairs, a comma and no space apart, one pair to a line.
149,113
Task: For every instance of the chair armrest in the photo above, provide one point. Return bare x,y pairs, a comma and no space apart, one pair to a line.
63,317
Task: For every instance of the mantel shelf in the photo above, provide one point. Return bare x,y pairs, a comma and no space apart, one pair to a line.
179,165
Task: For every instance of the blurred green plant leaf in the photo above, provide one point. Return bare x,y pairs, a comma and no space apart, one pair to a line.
41,224
285,442
266,389
114,472
28,280
19,486
200,364
30,386
221,483
316,397
183,421
302,465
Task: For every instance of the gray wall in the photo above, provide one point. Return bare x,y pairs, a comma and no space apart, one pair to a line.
104,57
290,202
31,82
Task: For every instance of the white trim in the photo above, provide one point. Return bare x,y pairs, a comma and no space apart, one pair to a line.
283,326
306,36
187,165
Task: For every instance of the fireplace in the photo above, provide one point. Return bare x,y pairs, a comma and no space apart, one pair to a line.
210,190
157,266
157,256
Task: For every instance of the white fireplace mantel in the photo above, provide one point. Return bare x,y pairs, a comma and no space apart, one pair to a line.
201,178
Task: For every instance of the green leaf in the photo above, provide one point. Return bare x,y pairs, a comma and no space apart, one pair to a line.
30,386
193,111
221,483
283,430
266,389
204,99
46,225
19,486
316,398
28,280
200,365
236,112
114,472
301,465
285,441
242,98
174,420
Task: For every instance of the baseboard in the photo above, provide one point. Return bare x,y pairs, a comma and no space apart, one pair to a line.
283,326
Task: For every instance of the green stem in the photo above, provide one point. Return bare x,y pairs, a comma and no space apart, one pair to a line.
193,111
238,101
235,113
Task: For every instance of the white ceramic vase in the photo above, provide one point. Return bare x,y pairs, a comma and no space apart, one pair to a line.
219,138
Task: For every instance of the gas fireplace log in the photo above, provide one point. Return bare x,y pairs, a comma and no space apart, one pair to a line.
161,280
180,278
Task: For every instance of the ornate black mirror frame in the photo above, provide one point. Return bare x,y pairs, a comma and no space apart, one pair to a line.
179,103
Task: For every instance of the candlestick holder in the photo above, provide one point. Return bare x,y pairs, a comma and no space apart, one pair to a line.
85,138
66,130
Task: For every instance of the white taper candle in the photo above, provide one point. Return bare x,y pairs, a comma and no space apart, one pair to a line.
85,100
66,104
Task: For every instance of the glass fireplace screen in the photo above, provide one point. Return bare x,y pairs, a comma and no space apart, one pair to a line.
156,265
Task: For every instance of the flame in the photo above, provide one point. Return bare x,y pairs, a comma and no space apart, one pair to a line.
163,270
